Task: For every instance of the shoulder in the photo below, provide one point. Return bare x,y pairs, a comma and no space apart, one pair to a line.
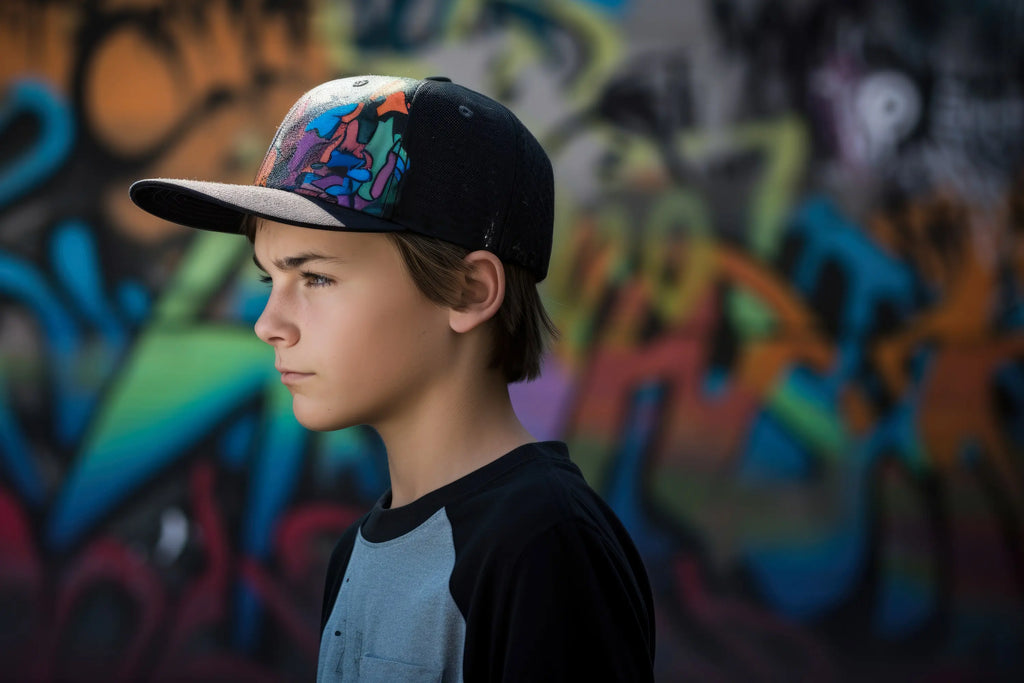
541,489
545,567
538,503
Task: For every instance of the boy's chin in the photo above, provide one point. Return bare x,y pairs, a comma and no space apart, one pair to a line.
317,421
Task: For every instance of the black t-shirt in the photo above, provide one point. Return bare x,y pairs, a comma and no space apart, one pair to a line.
516,572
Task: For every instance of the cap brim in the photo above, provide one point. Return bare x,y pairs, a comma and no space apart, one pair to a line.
222,207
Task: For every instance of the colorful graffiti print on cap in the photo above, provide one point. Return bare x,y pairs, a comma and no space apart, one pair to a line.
348,153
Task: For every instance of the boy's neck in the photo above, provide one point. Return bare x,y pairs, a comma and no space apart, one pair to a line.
458,428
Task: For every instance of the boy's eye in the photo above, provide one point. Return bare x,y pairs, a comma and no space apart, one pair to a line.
314,280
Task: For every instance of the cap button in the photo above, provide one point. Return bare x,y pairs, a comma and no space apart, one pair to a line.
440,79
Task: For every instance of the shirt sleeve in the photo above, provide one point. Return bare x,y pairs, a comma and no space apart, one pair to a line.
574,609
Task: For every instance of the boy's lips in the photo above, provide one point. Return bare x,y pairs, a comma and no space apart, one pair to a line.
291,376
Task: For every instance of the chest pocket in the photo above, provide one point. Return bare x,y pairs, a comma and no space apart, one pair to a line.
376,670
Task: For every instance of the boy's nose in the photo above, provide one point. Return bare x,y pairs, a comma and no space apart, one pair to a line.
273,327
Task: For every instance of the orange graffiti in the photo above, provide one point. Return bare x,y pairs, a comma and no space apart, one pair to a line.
957,403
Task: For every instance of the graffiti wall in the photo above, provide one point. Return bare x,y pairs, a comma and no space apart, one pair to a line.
788,272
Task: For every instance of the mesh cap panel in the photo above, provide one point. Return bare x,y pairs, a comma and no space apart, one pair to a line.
472,171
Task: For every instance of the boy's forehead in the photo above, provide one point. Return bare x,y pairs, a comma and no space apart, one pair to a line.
271,234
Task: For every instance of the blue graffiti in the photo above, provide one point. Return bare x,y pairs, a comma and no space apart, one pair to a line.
56,135
613,6
873,279
772,455
806,579
78,365
624,489
77,267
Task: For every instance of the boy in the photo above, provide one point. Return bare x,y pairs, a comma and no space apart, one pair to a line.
403,226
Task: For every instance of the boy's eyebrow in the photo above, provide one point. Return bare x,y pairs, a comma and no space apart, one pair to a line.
297,261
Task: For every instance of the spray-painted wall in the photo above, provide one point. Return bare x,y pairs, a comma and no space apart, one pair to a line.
788,270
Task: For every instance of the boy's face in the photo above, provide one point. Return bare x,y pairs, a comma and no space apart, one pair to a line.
360,342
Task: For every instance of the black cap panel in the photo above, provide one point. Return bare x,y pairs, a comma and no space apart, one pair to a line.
468,159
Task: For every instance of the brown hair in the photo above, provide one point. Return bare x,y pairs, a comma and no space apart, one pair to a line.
521,329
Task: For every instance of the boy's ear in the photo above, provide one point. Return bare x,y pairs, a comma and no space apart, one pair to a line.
482,292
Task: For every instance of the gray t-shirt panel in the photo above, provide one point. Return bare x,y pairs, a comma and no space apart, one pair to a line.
394,618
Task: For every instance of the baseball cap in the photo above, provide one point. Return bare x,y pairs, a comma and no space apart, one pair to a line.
384,154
